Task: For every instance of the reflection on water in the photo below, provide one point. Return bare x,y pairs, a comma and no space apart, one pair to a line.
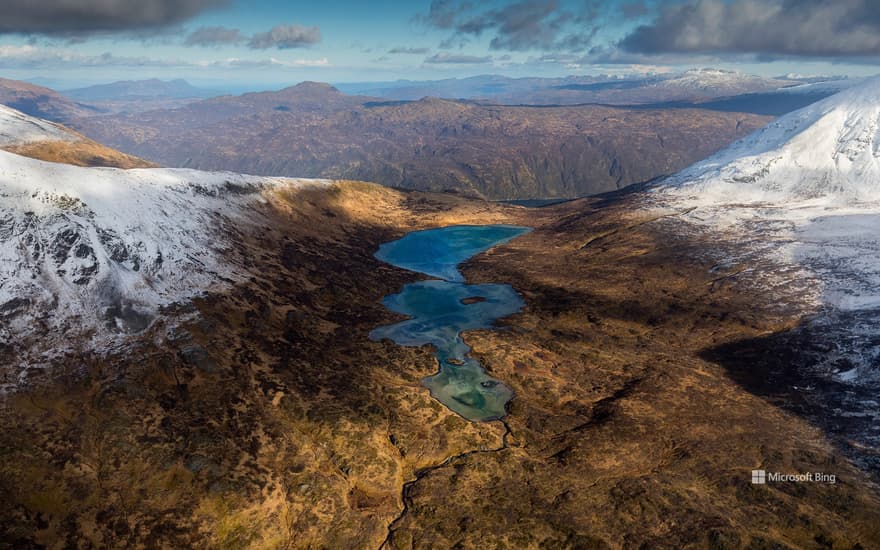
441,310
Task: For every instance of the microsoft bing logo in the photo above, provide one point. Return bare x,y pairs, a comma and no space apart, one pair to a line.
759,477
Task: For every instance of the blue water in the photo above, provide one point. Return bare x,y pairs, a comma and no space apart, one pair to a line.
437,252
439,311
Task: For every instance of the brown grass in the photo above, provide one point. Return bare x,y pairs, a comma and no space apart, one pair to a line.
79,153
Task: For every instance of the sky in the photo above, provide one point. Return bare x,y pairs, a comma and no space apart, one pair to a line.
262,44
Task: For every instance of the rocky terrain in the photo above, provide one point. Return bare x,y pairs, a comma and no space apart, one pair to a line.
498,152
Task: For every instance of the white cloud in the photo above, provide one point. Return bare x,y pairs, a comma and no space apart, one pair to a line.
35,57
29,56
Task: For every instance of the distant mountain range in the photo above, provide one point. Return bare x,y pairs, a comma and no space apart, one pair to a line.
134,96
604,133
116,97
502,152
131,90
694,86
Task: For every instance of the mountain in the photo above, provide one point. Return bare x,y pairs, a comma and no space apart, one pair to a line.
43,140
135,96
17,128
133,90
794,210
695,85
813,174
87,249
41,102
313,130
825,151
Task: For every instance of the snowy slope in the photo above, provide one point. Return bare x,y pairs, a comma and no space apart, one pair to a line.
17,128
98,250
828,150
717,82
800,199
823,87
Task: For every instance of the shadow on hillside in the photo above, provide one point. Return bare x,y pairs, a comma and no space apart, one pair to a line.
805,371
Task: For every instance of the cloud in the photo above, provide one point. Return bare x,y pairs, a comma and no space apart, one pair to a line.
446,58
33,57
83,17
421,51
281,37
285,37
271,62
523,25
443,13
768,28
214,36
633,10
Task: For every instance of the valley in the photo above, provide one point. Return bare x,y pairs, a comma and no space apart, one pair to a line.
265,416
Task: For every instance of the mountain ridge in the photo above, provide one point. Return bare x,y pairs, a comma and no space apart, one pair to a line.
153,88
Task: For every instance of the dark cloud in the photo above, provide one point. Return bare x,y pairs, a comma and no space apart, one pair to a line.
523,25
214,36
70,18
447,58
633,10
767,28
421,51
285,37
443,14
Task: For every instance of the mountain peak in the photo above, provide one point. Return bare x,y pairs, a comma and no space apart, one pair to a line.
830,150
311,86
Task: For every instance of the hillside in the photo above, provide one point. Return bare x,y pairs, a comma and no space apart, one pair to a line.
41,102
44,140
793,211
493,151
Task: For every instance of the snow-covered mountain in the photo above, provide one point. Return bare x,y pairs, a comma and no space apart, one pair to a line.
800,199
720,82
97,251
17,128
828,150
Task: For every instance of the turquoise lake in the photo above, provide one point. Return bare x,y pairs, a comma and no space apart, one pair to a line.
440,310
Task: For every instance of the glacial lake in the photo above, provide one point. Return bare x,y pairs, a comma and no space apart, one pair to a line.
441,309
